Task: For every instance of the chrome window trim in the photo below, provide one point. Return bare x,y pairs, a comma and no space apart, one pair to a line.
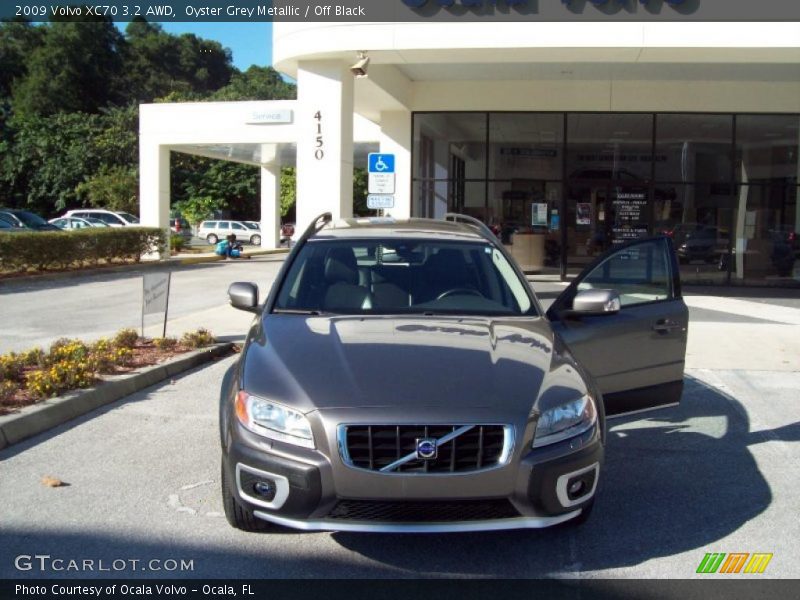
281,487
442,527
509,443
561,486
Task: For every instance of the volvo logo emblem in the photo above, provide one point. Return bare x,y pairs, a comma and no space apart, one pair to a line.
426,448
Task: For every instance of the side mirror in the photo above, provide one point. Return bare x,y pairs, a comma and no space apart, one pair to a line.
244,296
596,303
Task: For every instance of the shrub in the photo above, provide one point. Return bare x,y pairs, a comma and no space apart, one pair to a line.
35,357
47,249
176,242
11,367
197,339
165,343
126,338
59,377
65,349
8,389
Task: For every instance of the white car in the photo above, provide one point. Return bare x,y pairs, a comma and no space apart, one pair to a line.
77,222
214,231
112,218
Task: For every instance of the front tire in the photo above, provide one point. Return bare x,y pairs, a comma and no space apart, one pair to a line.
255,240
212,239
238,515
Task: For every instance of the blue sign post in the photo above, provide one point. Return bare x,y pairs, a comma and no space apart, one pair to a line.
380,163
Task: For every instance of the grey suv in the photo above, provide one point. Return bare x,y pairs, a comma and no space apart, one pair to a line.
402,376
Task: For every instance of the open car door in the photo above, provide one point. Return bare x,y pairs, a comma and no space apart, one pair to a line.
624,320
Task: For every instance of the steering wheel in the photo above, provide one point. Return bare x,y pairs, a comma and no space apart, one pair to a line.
460,292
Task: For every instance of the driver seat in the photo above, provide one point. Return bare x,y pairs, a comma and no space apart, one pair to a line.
343,292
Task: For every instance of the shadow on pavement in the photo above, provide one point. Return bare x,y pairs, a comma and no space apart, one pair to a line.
675,480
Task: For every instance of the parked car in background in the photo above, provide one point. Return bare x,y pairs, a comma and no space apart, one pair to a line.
402,376
24,219
696,241
180,226
213,231
77,223
8,226
287,231
112,218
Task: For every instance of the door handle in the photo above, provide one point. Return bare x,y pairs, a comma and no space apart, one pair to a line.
666,326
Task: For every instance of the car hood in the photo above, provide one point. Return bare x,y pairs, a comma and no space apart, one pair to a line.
347,362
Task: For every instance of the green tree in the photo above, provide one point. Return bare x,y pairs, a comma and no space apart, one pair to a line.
288,190
360,192
76,68
257,83
198,208
18,39
114,188
51,156
158,64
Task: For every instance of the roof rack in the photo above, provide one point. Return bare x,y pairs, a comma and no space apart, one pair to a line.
480,225
317,224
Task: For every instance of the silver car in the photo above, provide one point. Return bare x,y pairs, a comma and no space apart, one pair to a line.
213,231
401,376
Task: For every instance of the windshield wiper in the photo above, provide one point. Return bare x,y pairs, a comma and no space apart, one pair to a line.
295,311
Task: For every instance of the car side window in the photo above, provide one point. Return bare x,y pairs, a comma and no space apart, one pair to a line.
237,227
640,274
224,225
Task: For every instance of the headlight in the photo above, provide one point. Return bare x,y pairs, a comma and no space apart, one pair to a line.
565,421
273,420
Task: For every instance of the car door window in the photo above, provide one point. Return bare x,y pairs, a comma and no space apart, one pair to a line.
640,274
237,227
224,225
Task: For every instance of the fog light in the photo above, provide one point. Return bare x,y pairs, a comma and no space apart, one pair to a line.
575,488
265,489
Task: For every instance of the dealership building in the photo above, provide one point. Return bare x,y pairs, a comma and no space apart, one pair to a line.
569,137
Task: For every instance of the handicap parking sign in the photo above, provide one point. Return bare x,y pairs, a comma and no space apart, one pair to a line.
381,163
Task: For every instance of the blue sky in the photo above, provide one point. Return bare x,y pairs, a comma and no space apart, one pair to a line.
251,43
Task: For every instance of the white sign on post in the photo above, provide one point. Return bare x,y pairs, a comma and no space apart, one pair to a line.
155,296
379,201
381,183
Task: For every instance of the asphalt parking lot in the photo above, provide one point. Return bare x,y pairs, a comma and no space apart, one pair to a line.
718,473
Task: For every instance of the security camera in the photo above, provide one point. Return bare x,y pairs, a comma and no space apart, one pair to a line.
359,68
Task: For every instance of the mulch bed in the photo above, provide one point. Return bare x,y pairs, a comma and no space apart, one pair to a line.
145,354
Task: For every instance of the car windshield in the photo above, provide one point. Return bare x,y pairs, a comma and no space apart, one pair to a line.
128,217
30,219
391,276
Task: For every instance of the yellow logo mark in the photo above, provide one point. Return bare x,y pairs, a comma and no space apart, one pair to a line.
758,563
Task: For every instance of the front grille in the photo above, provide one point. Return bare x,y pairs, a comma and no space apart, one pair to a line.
374,447
422,512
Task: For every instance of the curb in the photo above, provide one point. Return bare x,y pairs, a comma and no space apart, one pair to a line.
35,419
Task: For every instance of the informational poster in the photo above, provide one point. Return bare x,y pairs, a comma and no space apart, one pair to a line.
554,220
539,214
583,213
630,216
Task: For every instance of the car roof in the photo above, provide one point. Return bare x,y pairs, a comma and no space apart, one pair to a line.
388,227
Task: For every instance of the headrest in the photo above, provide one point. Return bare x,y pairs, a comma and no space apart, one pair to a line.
341,266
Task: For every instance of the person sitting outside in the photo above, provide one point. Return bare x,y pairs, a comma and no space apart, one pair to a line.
230,248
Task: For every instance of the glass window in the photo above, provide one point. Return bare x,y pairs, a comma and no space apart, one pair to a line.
209,225
767,148
639,274
440,137
224,225
404,277
766,235
526,145
609,146
238,227
693,147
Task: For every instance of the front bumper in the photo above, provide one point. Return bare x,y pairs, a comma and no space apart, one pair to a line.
314,492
